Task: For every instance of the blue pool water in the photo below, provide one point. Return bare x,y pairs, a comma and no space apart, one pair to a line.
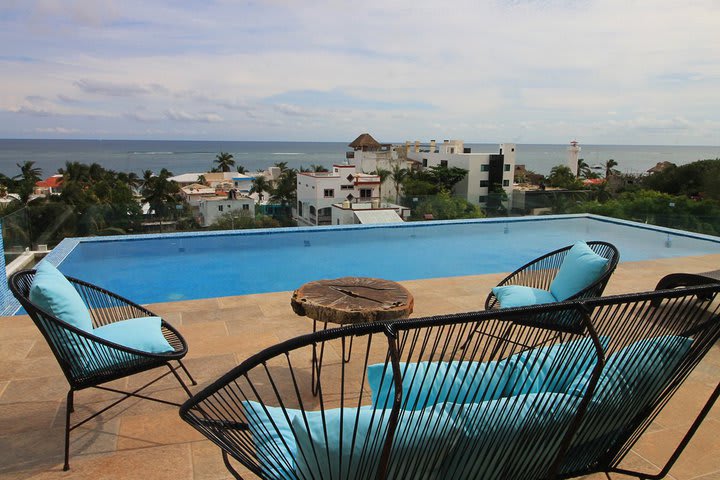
175,267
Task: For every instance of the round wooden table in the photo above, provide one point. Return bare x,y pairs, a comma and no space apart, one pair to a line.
349,300
352,300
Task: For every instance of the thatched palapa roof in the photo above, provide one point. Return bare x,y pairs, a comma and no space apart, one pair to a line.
365,142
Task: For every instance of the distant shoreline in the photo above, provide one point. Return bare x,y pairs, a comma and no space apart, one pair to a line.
185,156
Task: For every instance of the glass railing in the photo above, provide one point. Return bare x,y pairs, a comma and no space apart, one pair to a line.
45,223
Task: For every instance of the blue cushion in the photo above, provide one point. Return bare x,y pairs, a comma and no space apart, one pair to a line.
496,431
552,368
273,437
520,296
471,382
643,366
417,384
333,450
52,292
580,268
631,380
142,333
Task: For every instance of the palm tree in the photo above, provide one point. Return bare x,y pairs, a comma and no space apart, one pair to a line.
241,169
397,175
282,166
317,168
29,172
383,174
583,169
609,170
158,192
225,161
29,176
260,185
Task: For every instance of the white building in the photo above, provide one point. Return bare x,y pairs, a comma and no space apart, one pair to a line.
242,183
485,170
318,191
194,192
573,156
211,208
370,155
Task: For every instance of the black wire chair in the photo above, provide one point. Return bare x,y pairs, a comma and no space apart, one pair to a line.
541,272
89,361
416,404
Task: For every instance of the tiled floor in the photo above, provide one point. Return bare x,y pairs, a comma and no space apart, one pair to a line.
146,440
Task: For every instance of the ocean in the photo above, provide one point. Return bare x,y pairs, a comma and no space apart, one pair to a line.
197,156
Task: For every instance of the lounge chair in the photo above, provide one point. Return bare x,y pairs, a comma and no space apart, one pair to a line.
521,401
97,336
675,280
584,275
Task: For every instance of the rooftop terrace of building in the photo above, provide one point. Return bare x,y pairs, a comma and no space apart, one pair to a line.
146,440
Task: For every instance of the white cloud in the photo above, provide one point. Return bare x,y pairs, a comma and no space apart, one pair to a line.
182,116
55,130
493,70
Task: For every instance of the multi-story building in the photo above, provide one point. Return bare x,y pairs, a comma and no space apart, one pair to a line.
487,172
318,191
370,156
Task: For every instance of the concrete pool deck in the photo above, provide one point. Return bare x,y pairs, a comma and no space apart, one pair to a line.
146,440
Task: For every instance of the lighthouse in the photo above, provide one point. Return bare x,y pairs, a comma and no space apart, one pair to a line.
573,155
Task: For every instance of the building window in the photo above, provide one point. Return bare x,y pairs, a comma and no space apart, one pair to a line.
482,199
506,183
443,163
365,193
507,167
484,183
424,162
246,207
484,167
312,211
220,208
350,178
329,192
347,187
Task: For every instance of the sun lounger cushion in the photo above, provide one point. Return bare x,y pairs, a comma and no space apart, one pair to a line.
645,365
272,435
545,369
418,379
52,292
476,456
579,269
333,450
143,334
553,368
521,296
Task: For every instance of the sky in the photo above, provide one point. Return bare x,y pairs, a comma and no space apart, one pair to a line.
643,72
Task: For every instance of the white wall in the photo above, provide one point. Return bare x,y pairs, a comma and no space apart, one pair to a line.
212,209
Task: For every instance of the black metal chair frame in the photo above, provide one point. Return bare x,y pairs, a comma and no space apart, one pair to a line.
102,361
541,272
675,280
692,312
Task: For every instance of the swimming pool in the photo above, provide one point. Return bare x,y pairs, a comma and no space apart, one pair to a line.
172,267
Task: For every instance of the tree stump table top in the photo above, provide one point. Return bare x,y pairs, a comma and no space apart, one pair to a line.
352,300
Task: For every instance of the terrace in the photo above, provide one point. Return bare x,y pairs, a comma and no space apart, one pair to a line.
148,440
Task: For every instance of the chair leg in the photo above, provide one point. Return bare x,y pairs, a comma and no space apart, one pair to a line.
69,407
187,372
180,381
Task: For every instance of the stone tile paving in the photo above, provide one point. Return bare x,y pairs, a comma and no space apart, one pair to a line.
146,440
